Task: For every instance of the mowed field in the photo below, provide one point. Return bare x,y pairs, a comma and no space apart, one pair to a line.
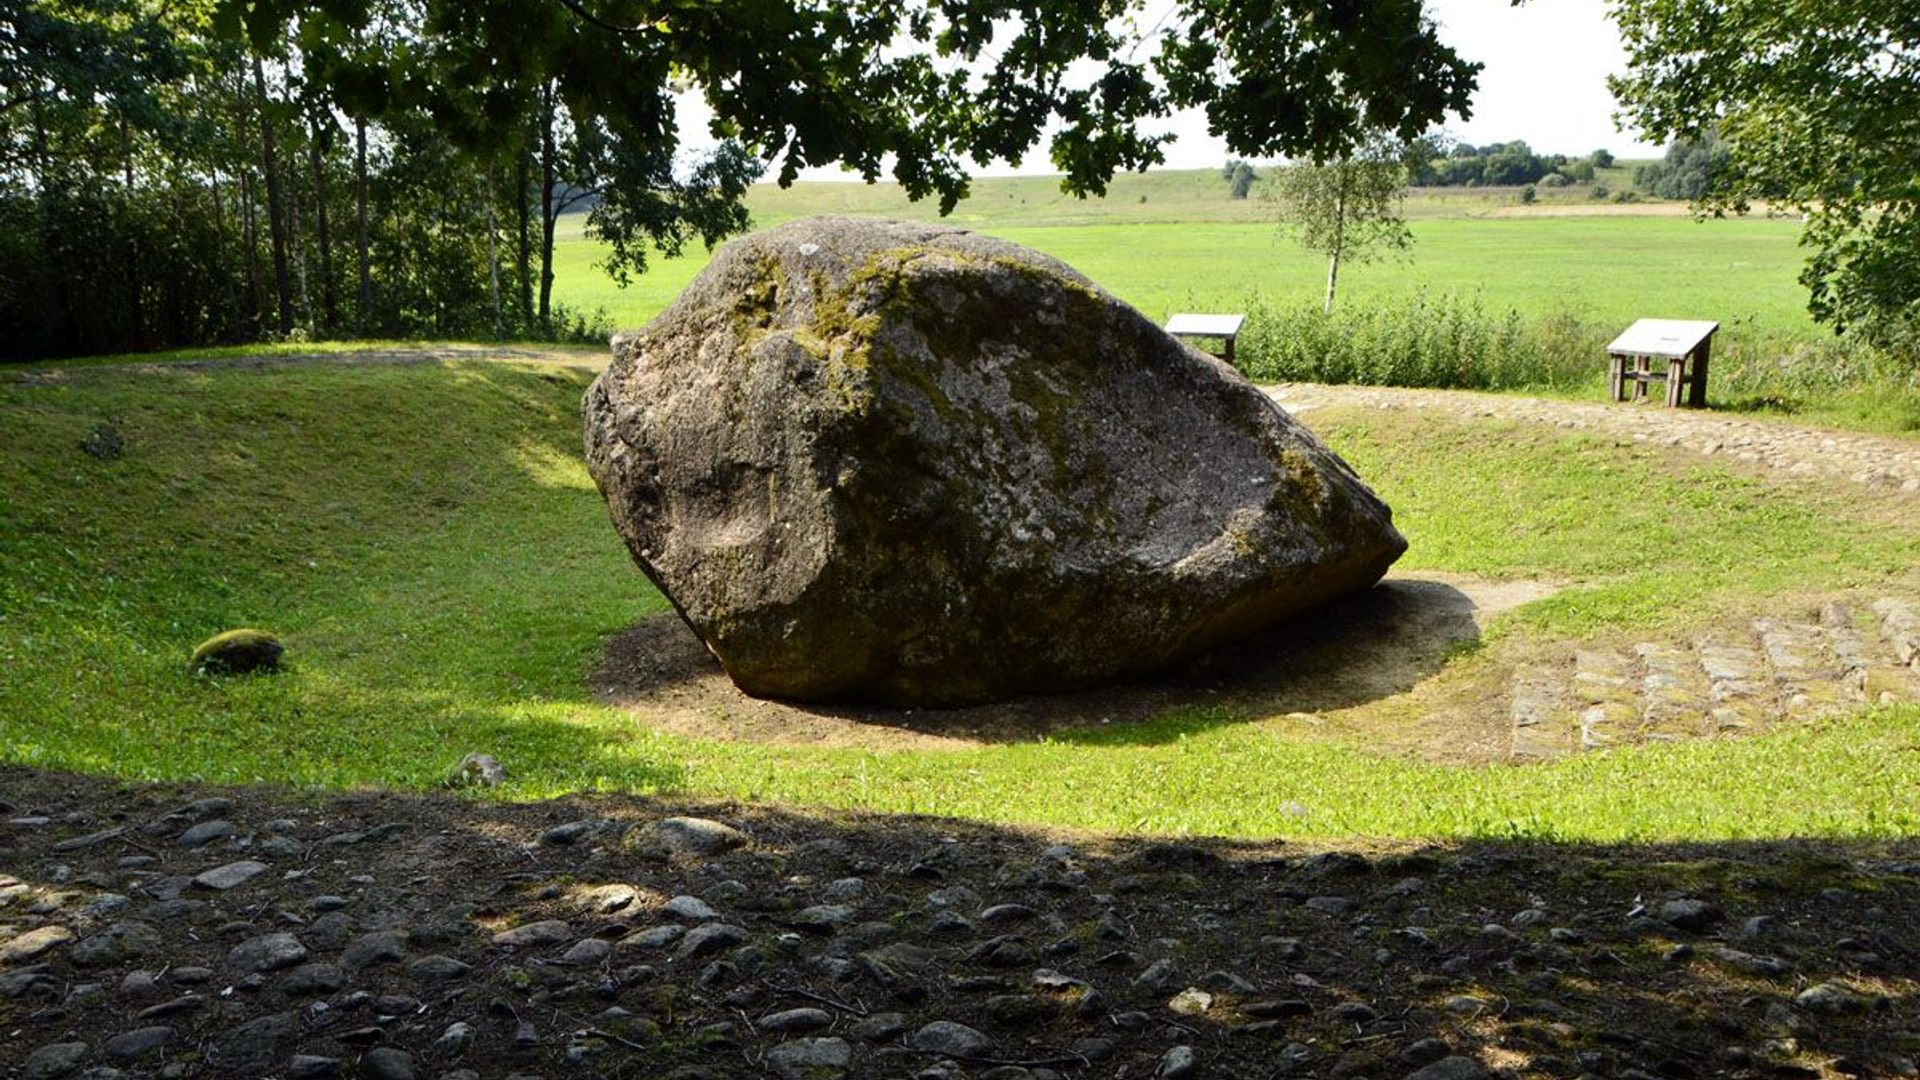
1176,241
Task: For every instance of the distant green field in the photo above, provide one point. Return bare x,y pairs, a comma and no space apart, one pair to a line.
1610,269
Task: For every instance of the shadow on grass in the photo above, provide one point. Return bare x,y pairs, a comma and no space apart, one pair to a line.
1772,958
1363,648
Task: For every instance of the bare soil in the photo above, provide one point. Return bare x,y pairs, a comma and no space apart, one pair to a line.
1367,648
370,929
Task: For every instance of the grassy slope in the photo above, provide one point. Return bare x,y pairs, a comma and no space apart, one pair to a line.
427,541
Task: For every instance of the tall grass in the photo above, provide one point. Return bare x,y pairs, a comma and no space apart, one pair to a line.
1456,341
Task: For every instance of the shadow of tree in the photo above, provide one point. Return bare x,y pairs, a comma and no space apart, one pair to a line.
1762,958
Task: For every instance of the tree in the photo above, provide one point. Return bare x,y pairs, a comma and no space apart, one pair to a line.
1347,210
920,88
1688,170
1814,101
1240,177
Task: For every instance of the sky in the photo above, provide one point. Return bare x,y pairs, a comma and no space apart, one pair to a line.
1545,81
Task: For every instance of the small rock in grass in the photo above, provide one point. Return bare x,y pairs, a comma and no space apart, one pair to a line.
690,909
454,1041
477,770
269,952
1190,1002
1832,998
794,1021
56,1059
33,943
684,836
587,952
1425,1052
1689,914
237,652
1452,1068
957,1040
116,944
545,932
438,968
231,876
810,1059
1177,1063
138,1043
206,833
387,1063
312,1067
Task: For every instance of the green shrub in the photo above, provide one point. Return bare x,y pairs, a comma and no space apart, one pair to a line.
1438,340
1452,341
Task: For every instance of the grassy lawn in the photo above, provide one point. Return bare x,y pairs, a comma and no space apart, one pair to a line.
1607,269
428,543
1173,240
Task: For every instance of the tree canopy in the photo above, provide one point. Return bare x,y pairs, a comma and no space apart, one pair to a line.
1818,105
176,173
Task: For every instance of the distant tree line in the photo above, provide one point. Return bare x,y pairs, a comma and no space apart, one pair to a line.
1502,164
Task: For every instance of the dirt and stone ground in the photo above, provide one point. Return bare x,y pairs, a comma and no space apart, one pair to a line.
174,931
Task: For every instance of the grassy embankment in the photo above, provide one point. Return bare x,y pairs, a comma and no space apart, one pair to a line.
427,541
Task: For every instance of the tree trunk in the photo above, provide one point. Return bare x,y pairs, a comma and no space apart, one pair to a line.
364,301
135,332
329,300
296,248
548,167
1339,241
232,305
523,230
493,259
250,236
276,202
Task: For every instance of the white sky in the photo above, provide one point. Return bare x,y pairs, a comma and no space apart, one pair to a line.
1545,81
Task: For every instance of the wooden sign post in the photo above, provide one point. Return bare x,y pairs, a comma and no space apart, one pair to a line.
1686,345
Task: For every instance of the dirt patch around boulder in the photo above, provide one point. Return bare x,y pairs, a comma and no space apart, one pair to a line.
1369,647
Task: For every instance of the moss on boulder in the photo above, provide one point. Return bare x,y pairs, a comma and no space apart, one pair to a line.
237,652
908,463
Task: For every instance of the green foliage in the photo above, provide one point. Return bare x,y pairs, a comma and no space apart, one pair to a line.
1239,176
1687,172
1814,101
1529,194
1441,340
1348,210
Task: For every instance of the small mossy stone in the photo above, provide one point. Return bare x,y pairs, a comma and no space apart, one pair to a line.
238,652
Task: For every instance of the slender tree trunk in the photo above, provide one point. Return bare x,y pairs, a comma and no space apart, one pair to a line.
364,301
276,202
522,200
329,300
493,259
220,245
136,317
296,246
250,236
548,167
1339,242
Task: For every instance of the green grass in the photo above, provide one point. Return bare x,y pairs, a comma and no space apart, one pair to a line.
1741,273
426,541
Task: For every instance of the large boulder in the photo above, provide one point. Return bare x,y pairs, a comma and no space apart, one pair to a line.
909,464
